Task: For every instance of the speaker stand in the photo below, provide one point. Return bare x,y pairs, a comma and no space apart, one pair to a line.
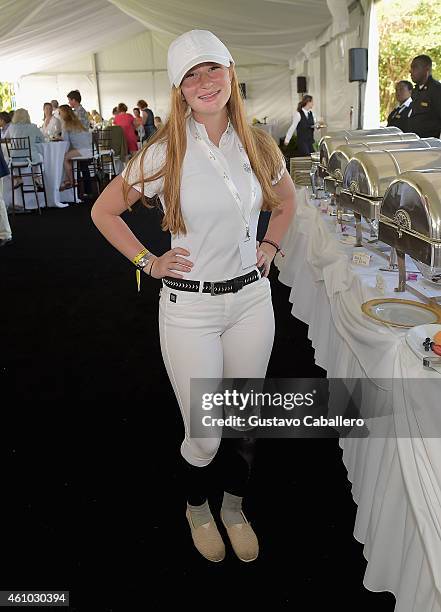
359,127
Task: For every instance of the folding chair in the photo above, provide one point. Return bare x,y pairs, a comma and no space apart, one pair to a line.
20,162
106,154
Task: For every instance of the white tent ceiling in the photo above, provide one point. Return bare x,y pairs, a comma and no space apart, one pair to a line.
116,50
36,35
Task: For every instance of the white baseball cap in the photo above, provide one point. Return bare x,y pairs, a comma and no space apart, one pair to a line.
192,48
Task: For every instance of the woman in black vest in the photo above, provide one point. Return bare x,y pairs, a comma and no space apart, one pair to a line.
304,122
148,121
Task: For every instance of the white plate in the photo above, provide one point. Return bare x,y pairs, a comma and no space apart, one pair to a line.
415,338
401,313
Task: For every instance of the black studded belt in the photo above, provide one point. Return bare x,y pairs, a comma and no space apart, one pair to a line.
215,288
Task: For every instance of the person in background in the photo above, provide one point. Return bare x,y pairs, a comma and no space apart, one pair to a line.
425,115
114,114
5,228
158,122
137,117
126,121
5,122
55,109
398,117
79,138
74,99
51,125
21,127
304,123
138,124
96,117
148,119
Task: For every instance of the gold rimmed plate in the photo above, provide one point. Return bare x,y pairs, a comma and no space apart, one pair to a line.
401,313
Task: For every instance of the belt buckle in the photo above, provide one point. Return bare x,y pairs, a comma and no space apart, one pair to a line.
212,288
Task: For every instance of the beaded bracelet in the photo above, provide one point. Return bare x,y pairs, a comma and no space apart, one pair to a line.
275,245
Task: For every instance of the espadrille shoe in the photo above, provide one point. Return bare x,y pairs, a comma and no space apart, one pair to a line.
243,540
207,540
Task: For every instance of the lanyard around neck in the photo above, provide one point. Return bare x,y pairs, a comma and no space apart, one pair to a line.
245,214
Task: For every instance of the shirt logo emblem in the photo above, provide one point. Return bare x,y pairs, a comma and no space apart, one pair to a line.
424,104
173,297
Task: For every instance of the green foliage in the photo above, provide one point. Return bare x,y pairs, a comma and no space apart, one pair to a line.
291,148
6,96
407,28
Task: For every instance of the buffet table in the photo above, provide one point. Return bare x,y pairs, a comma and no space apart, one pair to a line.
396,479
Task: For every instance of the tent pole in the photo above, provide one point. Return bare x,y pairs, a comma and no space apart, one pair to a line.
97,85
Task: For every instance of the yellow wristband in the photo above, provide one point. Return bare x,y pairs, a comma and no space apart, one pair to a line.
140,254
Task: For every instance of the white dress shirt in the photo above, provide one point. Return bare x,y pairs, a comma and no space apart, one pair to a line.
53,128
405,104
212,217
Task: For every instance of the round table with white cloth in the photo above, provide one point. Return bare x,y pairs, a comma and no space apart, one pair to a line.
53,157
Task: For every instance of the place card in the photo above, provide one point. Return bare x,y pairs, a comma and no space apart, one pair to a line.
360,258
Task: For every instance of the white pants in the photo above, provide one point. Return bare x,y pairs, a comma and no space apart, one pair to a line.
5,228
220,336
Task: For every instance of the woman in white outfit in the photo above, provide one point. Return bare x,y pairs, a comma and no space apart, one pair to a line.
51,127
213,174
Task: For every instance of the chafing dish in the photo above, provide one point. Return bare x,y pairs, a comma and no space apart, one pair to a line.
339,159
328,144
369,173
356,133
318,172
410,222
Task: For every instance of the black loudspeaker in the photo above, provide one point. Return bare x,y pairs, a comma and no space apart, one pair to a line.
358,64
301,84
243,90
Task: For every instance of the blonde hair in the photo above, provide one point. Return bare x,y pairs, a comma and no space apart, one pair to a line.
21,115
263,153
71,123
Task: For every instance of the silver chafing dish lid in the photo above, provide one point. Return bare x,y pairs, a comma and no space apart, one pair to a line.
356,133
339,159
328,144
413,201
411,208
370,173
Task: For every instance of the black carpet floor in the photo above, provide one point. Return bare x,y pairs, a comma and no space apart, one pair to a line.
91,497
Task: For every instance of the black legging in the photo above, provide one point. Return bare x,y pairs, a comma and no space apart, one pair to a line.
234,460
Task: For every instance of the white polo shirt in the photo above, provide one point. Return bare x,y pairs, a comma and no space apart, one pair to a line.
213,219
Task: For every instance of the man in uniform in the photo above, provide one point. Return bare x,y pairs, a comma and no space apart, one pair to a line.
398,117
425,115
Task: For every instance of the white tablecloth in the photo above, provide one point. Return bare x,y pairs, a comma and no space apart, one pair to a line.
53,156
396,481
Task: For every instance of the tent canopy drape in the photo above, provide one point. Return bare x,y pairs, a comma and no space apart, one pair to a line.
118,49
